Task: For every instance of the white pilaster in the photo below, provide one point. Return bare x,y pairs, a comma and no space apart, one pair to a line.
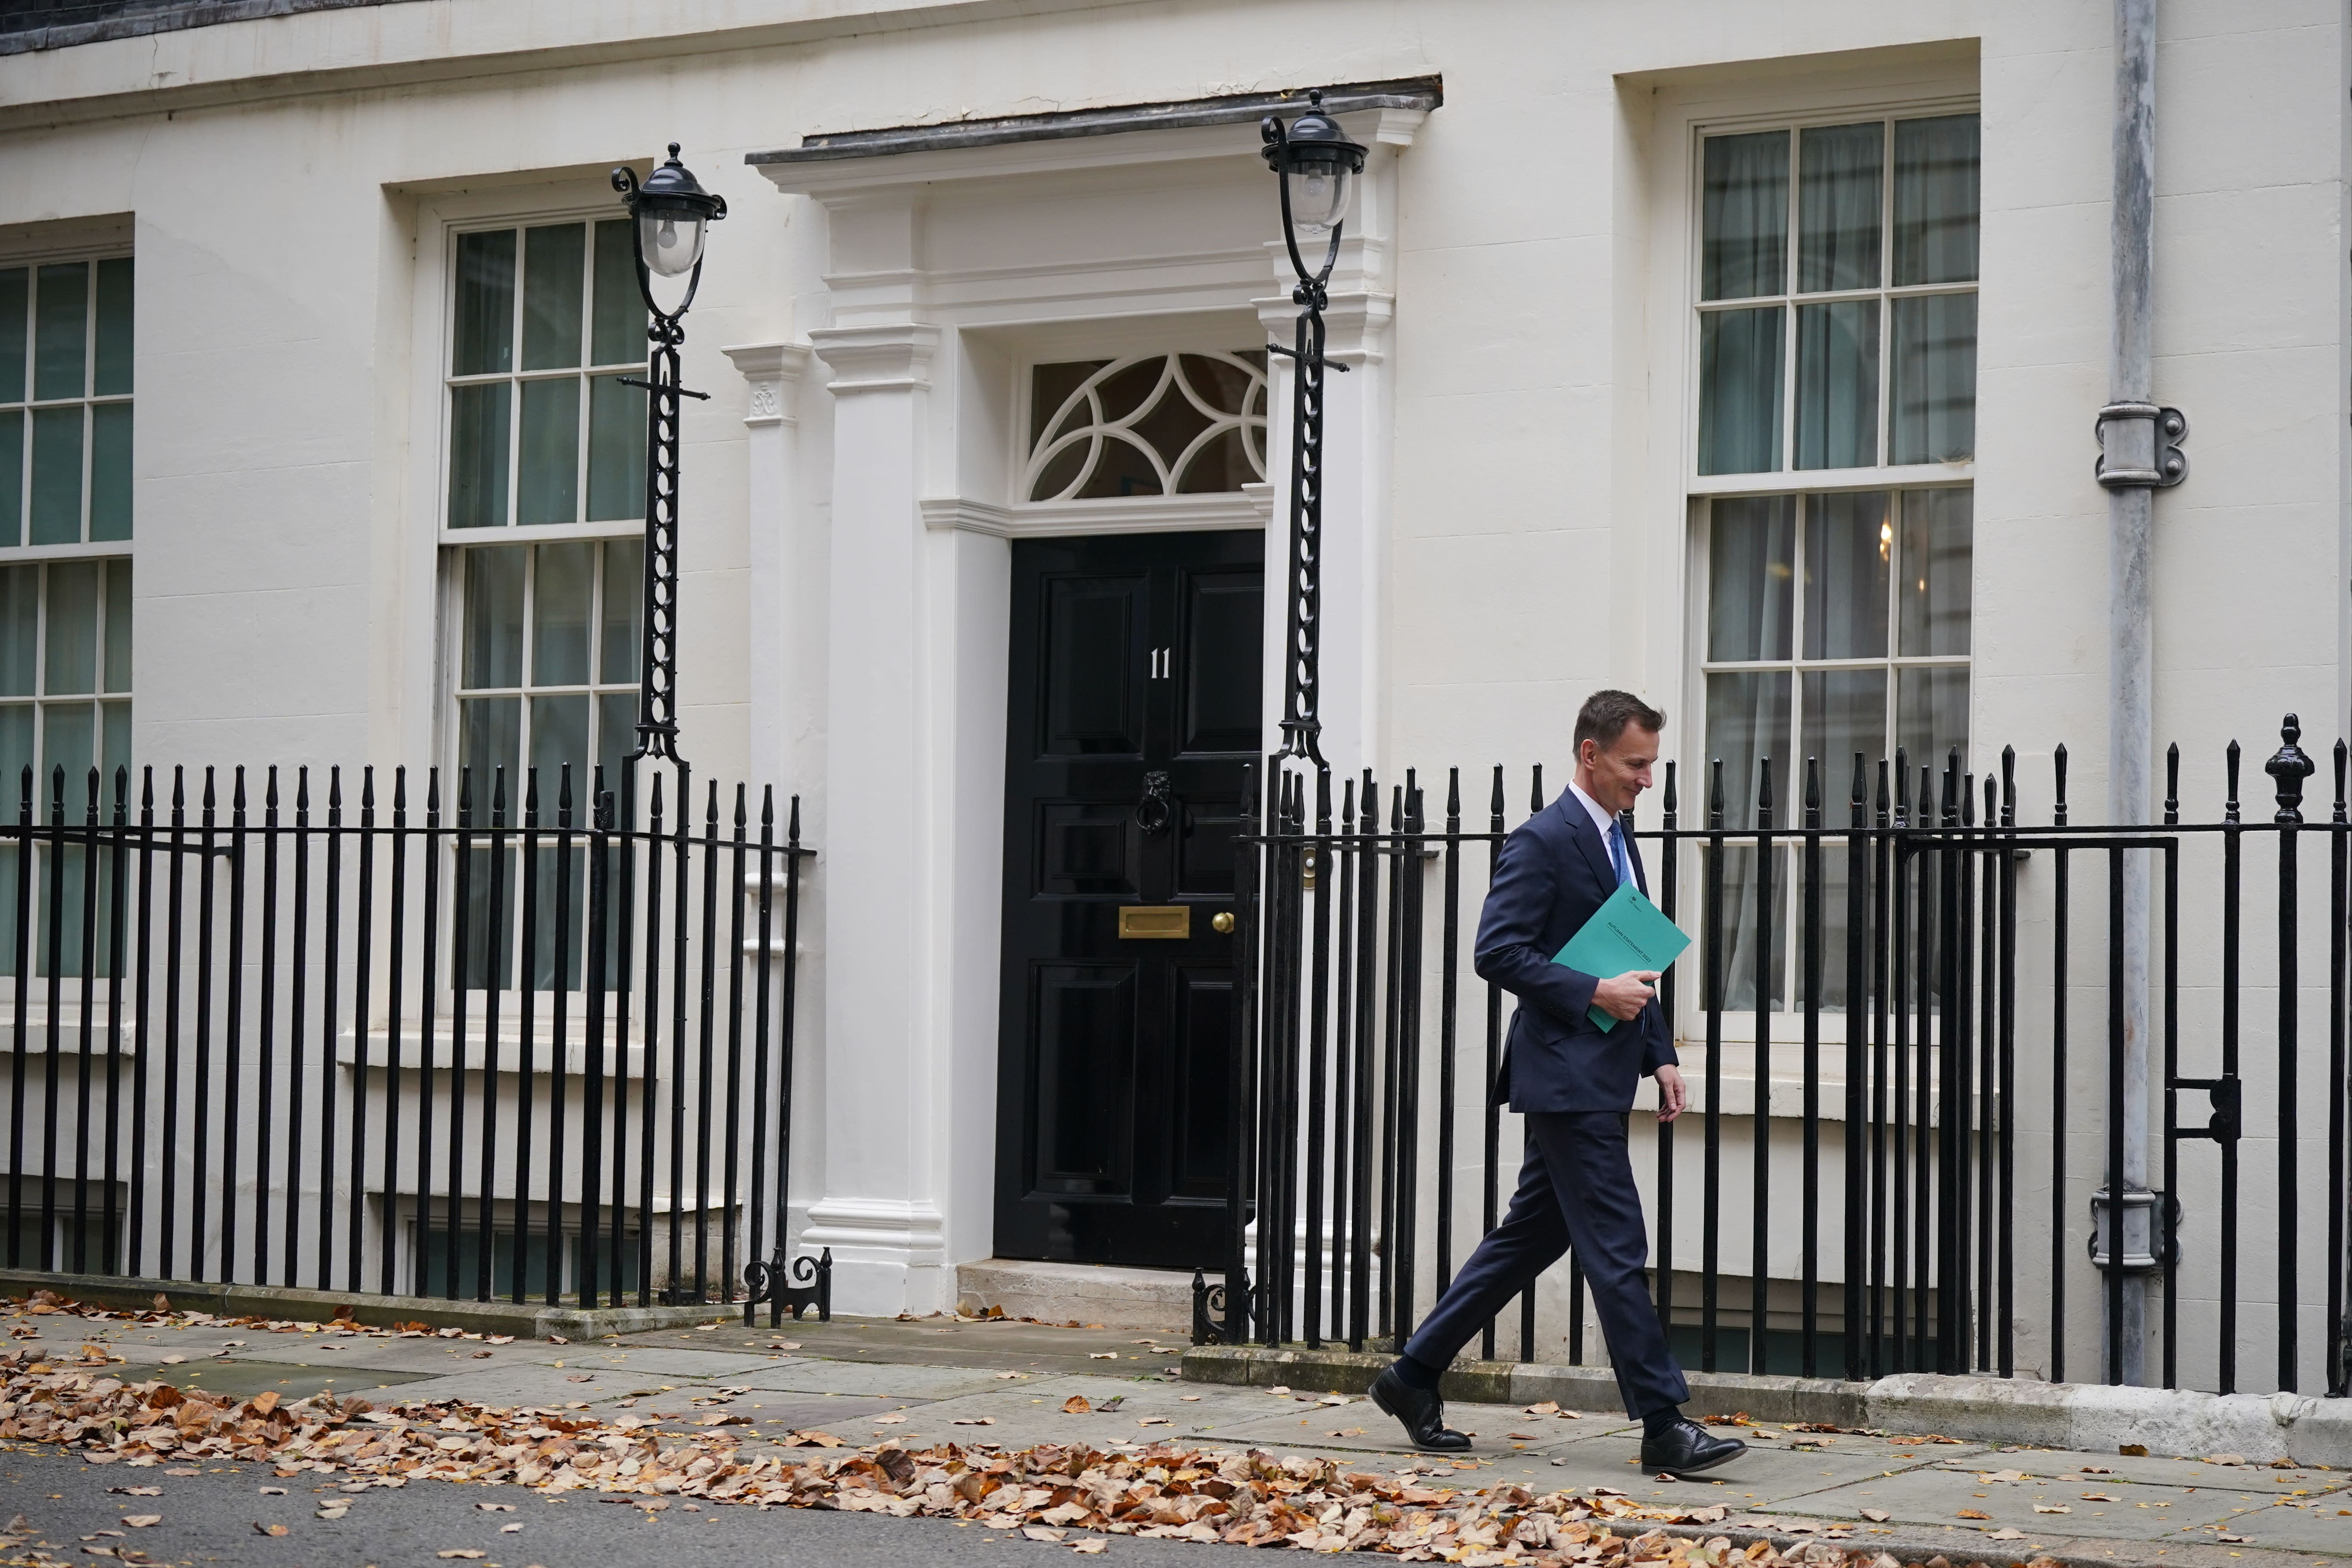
886,1076
773,372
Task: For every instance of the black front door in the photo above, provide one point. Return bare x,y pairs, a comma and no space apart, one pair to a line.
1134,710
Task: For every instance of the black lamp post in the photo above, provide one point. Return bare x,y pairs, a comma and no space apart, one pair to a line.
673,215
1317,166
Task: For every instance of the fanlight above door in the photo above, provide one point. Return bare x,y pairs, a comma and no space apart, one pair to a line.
1149,425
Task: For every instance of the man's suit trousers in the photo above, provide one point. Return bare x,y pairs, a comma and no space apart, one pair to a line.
1576,1189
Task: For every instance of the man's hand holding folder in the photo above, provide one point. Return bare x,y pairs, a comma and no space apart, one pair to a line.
1628,942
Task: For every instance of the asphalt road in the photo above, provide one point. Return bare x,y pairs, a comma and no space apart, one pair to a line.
210,1518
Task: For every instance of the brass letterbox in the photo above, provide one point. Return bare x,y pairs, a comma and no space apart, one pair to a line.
1155,921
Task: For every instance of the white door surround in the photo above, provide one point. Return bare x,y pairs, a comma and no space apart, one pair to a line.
948,268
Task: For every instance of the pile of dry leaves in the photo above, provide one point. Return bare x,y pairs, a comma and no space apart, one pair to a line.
1051,1492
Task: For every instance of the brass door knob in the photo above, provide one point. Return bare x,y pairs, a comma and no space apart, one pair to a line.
1222,924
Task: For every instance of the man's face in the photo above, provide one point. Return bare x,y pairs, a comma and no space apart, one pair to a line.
1616,774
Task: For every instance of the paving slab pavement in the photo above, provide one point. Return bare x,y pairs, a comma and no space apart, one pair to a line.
870,1381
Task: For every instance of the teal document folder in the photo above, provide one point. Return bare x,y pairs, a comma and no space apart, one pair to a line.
1626,933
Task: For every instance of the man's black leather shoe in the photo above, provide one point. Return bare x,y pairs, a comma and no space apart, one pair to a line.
1422,1414
1686,1447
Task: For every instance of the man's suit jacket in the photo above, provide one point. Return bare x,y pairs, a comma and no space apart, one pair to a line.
1553,876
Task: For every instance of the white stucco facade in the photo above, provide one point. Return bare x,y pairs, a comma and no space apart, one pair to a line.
1509,503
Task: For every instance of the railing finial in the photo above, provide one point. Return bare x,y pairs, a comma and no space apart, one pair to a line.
2288,768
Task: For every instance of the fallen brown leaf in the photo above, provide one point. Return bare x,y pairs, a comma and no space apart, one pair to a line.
1878,1515
1973,1513
261,1529
1092,1544
468,1552
141,1521
1075,1404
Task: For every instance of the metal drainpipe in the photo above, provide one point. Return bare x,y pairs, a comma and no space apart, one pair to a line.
2139,455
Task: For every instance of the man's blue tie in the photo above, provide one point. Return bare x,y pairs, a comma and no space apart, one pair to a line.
1617,851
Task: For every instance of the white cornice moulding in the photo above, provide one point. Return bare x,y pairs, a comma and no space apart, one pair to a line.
834,182
773,372
1139,514
893,357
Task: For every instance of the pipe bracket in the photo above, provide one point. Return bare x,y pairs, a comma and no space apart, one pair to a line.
2139,446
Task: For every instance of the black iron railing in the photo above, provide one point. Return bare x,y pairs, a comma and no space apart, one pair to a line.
438,1041
1899,984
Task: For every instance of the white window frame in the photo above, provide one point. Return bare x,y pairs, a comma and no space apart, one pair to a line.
91,248
440,224
1687,116
1882,476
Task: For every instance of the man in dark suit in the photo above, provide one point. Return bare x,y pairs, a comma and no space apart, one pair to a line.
1574,1084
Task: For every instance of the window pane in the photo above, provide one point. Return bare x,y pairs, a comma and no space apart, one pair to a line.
114,744
1740,392
489,732
553,260
618,327
1746,722
477,455
550,487
616,450
109,470
16,298
57,476
11,477
113,372
1931,715
61,330
559,734
117,625
1845,713
483,339
1751,551
15,756
561,887
1838,169
560,612
68,740
20,630
1934,373
616,733
1849,540
1744,217
625,589
1938,557
491,896
69,663
1935,200
1837,384
494,616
